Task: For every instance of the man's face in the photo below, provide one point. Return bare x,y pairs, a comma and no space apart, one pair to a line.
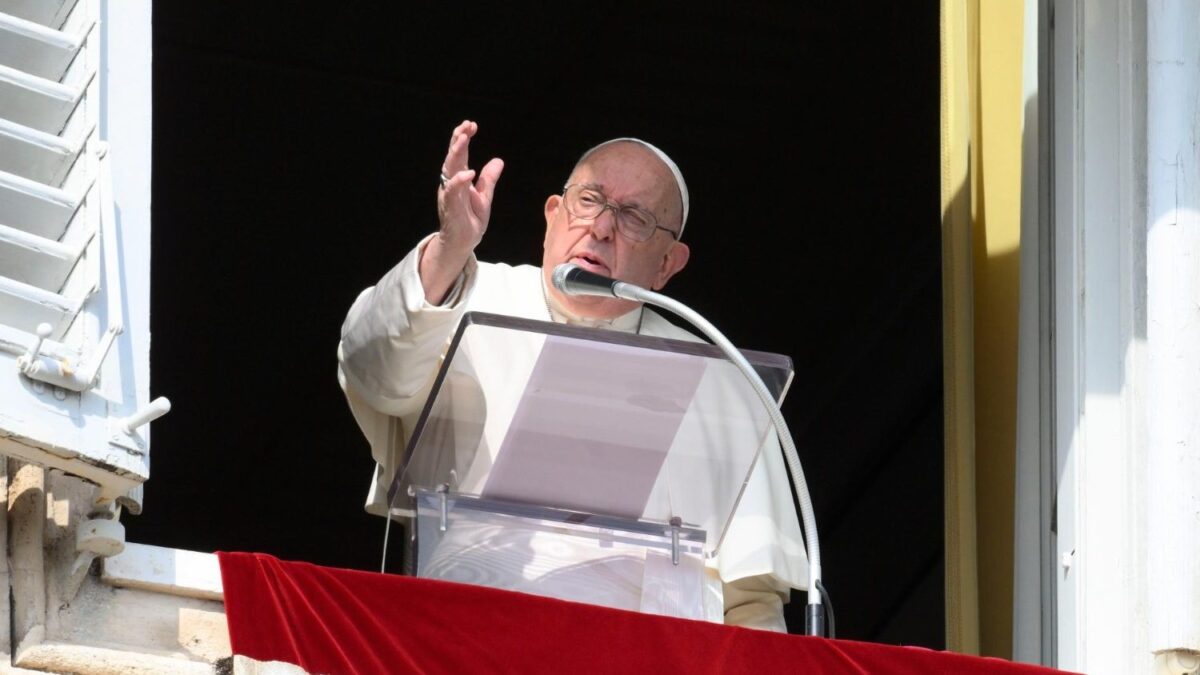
629,175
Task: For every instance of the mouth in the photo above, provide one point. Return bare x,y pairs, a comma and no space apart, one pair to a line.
591,263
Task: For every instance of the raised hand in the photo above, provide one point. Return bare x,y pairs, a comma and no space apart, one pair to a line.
465,204
464,207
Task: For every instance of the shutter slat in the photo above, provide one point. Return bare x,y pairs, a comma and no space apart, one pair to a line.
49,13
38,209
36,261
24,307
36,155
35,49
35,101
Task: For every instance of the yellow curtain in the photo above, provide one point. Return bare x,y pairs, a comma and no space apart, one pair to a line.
981,51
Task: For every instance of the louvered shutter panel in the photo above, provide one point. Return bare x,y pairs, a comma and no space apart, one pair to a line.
74,238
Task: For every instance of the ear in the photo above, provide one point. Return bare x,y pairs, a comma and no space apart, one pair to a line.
675,259
553,203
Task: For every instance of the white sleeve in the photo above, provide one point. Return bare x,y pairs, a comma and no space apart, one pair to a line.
765,537
391,342
755,602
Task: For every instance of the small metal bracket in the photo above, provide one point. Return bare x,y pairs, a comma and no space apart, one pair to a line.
77,377
676,523
130,442
445,506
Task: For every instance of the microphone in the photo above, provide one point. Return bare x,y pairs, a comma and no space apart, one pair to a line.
572,279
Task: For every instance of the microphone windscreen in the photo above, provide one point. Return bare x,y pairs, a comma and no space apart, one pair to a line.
559,278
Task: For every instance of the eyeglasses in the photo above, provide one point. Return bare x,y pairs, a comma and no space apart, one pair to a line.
635,223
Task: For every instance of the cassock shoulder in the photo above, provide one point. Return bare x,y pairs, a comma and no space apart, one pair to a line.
657,325
508,289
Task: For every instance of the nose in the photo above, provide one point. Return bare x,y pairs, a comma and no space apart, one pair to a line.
604,225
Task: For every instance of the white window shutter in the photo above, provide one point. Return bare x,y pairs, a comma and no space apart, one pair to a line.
74,239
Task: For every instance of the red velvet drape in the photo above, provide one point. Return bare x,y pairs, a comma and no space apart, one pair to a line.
349,622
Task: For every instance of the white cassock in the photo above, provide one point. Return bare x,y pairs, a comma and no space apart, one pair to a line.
392,345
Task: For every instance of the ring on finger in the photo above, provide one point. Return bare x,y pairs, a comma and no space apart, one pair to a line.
442,178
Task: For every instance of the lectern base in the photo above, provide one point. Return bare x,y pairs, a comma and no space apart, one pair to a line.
553,553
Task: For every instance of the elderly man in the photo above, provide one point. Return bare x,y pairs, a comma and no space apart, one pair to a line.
621,214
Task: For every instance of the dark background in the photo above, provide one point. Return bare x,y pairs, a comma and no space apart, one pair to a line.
296,151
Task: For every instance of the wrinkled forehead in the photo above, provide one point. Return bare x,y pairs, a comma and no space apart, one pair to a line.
631,155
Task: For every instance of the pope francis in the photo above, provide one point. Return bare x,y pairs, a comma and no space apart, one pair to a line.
621,214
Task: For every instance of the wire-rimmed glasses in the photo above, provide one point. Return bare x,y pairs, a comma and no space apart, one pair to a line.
587,203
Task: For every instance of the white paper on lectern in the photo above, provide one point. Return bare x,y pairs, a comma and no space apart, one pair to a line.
593,426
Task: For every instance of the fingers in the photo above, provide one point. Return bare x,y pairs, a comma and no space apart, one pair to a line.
460,141
466,127
457,182
454,199
456,157
454,210
486,185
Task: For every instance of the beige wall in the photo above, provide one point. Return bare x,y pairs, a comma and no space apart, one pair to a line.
982,111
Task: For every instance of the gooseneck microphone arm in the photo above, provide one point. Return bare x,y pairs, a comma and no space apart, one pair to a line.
571,279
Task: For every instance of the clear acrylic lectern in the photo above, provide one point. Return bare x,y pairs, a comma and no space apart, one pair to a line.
583,464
